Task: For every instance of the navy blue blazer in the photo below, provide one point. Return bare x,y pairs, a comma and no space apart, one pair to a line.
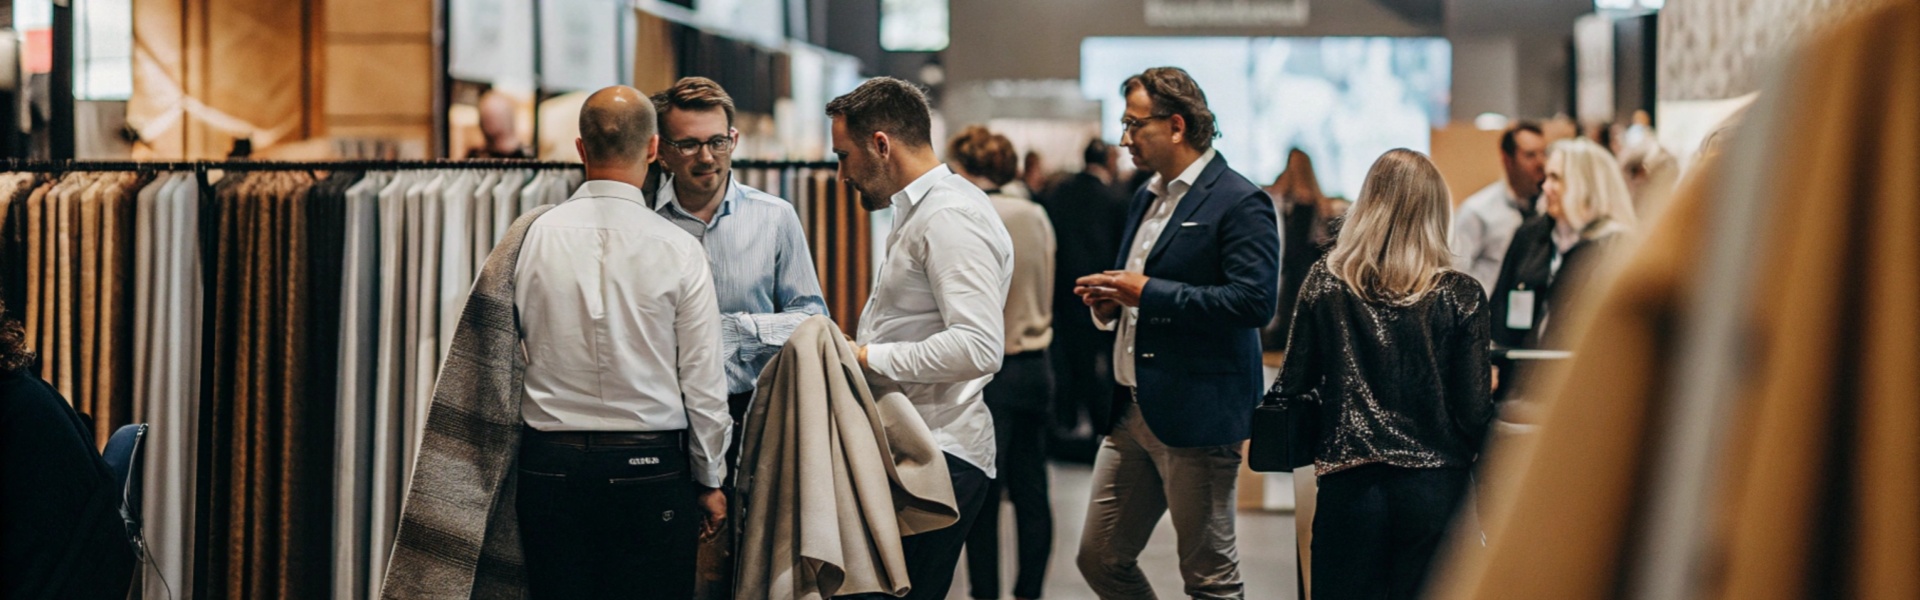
1214,278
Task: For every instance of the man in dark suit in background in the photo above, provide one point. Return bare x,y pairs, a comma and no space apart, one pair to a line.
1197,276
1091,207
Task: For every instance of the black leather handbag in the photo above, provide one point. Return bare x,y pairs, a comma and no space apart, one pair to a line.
1285,431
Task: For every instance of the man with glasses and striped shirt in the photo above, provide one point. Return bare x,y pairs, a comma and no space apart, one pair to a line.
762,270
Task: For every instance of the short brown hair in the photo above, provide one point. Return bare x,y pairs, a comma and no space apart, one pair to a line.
1509,139
1173,92
889,106
984,153
692,93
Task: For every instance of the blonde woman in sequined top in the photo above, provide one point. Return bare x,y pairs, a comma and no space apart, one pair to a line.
1390,344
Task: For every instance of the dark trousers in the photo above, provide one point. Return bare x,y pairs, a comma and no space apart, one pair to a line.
1018,397
932,556
1376,528
717,555
607,520
1083,373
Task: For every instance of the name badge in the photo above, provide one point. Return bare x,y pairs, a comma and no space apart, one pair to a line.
1520,309
643,460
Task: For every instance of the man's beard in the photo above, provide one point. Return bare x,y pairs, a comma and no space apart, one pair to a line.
868,199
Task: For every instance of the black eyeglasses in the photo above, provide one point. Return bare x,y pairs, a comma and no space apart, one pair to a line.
1129,125
718,146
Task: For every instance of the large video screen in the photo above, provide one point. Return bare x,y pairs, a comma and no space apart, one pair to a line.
1343,100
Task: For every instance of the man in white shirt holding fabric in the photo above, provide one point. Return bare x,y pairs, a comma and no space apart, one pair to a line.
933,328
626,398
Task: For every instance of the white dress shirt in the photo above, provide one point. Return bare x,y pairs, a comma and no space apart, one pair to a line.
1166,198
933,327
1482,230
620,326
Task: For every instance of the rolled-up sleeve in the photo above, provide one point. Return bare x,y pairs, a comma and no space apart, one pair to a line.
969,281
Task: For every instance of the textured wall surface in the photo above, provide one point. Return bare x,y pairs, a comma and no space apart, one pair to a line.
1716,49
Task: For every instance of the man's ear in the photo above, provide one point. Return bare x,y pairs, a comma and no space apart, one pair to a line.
882,145
653,149
580,145
1177,124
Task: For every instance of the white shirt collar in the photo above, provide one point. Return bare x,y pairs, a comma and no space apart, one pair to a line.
606,188
912,194
1188,177
668,199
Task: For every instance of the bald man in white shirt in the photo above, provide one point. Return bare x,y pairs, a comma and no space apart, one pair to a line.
626,397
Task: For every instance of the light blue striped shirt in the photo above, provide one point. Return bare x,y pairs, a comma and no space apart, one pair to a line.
762,274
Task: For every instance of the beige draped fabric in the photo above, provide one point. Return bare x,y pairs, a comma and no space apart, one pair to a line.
832,477
1814,493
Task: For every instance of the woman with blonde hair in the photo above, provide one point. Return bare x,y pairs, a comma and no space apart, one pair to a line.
1389,343
1589,212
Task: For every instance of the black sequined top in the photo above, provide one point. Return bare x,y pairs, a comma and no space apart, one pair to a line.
1401,385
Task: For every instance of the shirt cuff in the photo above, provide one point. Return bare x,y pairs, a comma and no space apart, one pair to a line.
739,336
713,476
1104,324
880,360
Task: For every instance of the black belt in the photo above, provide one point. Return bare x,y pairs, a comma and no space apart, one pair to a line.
626,439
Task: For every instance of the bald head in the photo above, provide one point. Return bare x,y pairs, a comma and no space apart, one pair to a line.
496,123
617,128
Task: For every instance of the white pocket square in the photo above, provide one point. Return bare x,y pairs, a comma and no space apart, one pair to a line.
1191,224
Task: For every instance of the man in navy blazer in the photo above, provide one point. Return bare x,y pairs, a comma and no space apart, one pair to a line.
1198,274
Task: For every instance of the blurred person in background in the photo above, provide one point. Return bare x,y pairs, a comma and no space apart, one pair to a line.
1020,395
1091,206
497,125
1589,214
1391,343
1485,222
1305,215
1651,173
1197,276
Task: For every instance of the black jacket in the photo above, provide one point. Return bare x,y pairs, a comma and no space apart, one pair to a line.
61,535
1090,213
1529,266
1400,385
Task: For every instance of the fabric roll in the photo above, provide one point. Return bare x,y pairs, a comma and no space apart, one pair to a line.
114,358
37,275
353,438
171,385
534,192
84,246
506,203
456,258
13,244
426,325
62,262
145,297
480,228
389,391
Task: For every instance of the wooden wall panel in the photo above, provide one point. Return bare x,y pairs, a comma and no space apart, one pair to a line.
409,17
378,77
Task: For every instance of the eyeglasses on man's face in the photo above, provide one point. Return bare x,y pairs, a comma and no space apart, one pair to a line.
1130,125
718,145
